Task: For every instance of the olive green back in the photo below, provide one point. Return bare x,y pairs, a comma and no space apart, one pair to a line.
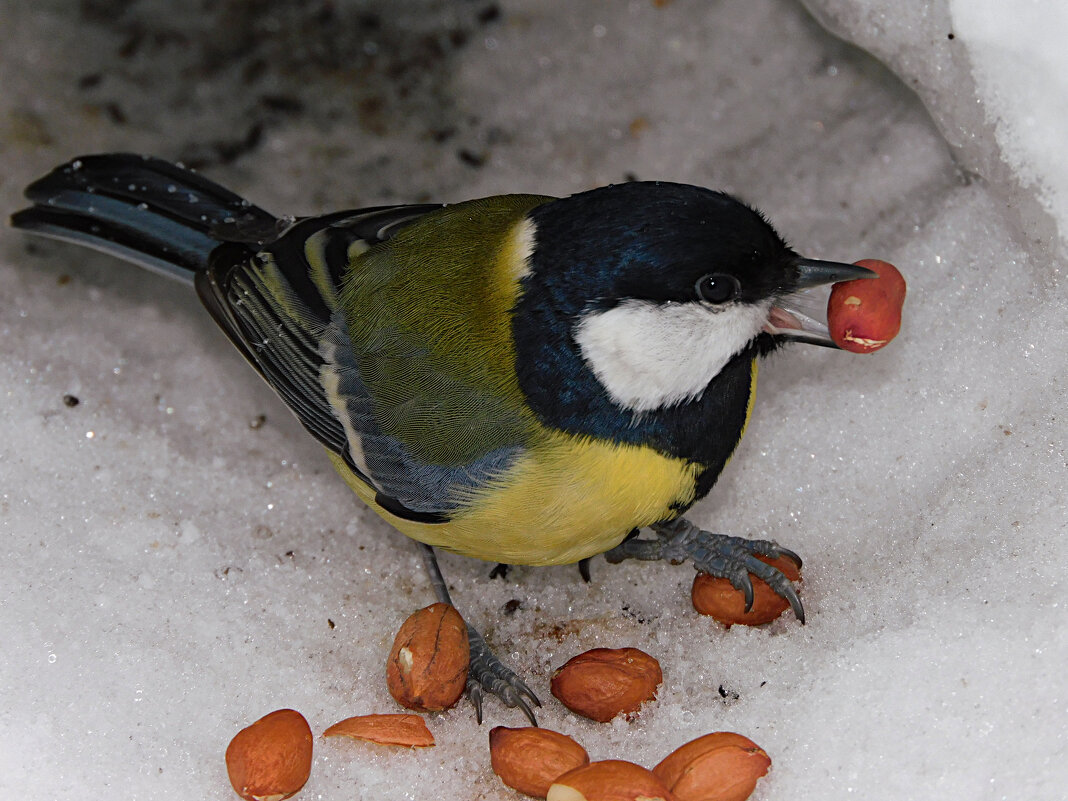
429,317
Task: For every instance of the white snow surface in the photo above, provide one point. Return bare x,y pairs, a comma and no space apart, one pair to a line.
176,566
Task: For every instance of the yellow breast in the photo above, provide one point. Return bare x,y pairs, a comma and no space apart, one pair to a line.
568,498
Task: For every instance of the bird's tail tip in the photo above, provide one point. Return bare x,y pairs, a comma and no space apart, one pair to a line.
160,215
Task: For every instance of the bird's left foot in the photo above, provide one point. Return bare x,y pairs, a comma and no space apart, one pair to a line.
487,674
732,558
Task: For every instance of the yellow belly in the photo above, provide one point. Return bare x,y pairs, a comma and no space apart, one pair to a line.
569,498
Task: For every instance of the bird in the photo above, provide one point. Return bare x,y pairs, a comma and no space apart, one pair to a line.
521,379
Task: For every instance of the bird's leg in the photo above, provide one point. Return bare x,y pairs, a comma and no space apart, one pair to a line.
486,674
732,558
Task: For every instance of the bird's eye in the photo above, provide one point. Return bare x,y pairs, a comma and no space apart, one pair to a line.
718,288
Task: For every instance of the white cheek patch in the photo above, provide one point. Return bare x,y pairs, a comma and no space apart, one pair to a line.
655,355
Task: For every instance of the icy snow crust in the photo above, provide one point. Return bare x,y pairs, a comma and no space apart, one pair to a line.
176,565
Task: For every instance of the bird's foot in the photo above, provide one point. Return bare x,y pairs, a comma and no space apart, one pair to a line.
500,571
732,558
487,674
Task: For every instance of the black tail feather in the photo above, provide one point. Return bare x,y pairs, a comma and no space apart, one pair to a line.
146,210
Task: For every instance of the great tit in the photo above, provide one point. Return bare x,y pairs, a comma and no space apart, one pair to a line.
522,379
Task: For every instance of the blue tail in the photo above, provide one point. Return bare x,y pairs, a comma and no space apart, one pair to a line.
148,211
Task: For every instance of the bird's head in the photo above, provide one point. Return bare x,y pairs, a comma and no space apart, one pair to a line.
663,284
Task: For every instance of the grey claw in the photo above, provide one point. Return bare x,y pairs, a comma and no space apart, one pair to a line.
790,555
778,582
522,704
795,603
511,693
474,694
523,689
742,583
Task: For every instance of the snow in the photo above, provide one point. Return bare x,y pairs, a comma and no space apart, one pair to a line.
1020,69
177,566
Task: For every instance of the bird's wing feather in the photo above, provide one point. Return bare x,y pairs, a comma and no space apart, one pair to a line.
282,307
425,488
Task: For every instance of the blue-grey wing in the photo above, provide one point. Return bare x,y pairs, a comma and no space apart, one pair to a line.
280,306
